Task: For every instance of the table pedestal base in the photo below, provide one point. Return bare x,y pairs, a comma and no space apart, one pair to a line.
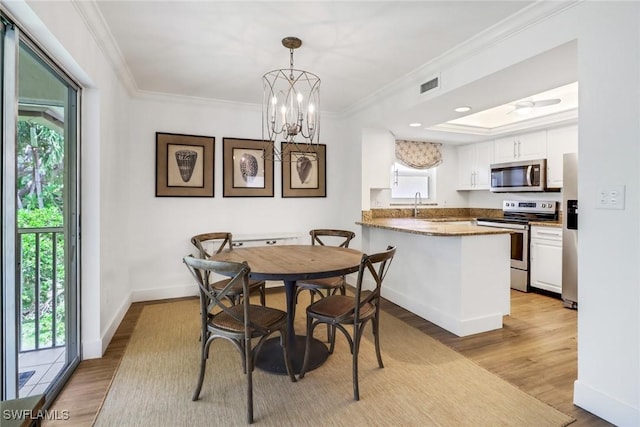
270,358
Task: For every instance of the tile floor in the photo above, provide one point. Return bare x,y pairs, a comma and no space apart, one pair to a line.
47,364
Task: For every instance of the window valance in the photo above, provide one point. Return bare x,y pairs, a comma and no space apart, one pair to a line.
419,154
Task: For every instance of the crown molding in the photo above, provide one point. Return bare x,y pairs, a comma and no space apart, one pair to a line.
513,24
508,27
557,119
93,18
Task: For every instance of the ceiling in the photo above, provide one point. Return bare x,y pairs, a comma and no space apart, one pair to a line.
220,49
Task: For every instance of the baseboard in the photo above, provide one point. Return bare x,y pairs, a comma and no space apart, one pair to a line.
96,348
114,323
605,406
164,293
460,327
91,349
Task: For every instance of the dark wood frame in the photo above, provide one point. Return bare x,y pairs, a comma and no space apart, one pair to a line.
230,167
164,169
289,189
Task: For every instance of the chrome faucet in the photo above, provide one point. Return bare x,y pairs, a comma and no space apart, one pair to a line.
416,198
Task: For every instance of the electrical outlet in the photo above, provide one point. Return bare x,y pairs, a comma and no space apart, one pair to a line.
611,197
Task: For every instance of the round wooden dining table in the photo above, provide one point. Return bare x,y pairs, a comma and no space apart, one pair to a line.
291,263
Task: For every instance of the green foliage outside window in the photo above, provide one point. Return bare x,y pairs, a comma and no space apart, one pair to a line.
40,181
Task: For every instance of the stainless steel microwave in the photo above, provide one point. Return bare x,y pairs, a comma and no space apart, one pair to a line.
530,175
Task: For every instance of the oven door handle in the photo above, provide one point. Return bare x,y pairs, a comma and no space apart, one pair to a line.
506,225
529,175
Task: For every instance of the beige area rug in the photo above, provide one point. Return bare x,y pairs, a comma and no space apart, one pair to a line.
424,383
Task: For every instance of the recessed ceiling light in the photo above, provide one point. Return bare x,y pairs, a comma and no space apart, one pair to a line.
463,109
415,125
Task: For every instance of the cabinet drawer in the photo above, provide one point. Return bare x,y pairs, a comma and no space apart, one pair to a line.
546,233
265,242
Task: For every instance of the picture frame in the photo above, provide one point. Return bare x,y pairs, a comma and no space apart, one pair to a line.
247,166
304,176
184,165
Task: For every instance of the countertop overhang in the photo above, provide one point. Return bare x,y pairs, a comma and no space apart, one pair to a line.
426,227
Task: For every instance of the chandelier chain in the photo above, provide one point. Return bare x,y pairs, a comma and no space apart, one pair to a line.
291,64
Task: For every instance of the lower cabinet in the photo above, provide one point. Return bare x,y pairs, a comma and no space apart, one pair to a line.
247,241
546,258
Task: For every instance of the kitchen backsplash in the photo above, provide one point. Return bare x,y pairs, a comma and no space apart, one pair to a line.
427,212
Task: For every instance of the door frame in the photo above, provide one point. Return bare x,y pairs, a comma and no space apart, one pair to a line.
9,295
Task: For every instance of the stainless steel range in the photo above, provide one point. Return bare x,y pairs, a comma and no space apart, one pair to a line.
517,214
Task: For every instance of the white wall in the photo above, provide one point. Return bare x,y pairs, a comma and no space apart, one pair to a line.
160,227
609,250
608,39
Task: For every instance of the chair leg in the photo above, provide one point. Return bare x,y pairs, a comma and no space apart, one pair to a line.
203,364
307,348
332,342
249,365
284,342
263,295
355,349
329,328
376,338
244,360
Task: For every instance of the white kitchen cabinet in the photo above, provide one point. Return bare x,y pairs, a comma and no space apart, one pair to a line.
272,239
474,161
526,146
378,158
559,141
546,258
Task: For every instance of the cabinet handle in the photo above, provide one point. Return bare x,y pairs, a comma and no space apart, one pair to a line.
519,152
395,177
236,244
515,154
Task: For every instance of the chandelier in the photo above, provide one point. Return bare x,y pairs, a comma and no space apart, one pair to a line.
291,108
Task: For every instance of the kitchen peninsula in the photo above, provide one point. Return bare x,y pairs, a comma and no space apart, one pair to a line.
450,272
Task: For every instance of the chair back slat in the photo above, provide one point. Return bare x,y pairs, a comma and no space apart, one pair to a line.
209,244
376,265
217,302
339,238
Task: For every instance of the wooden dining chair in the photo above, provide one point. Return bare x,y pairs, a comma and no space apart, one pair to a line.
340,311
209,244
237,323
330,285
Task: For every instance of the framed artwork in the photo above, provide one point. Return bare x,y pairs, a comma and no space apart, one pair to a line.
247,168
184,165
305,174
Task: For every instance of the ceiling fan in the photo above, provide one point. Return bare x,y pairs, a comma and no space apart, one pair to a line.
526,107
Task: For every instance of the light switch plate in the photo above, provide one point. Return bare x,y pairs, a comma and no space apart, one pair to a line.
611,197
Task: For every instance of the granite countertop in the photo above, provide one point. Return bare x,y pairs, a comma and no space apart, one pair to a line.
429,227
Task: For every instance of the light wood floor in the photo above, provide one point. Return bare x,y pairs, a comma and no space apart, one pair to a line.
536,351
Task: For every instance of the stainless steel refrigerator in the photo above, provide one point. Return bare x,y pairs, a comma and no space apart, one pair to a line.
570,231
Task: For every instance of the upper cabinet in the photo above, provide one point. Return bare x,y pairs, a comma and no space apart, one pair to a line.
559,141
527,146
474,163
378,157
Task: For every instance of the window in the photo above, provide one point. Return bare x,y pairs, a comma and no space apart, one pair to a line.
406,182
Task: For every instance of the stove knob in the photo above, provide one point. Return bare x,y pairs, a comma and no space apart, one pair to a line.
544,205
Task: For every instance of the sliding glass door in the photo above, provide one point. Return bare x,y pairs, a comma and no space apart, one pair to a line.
40,226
